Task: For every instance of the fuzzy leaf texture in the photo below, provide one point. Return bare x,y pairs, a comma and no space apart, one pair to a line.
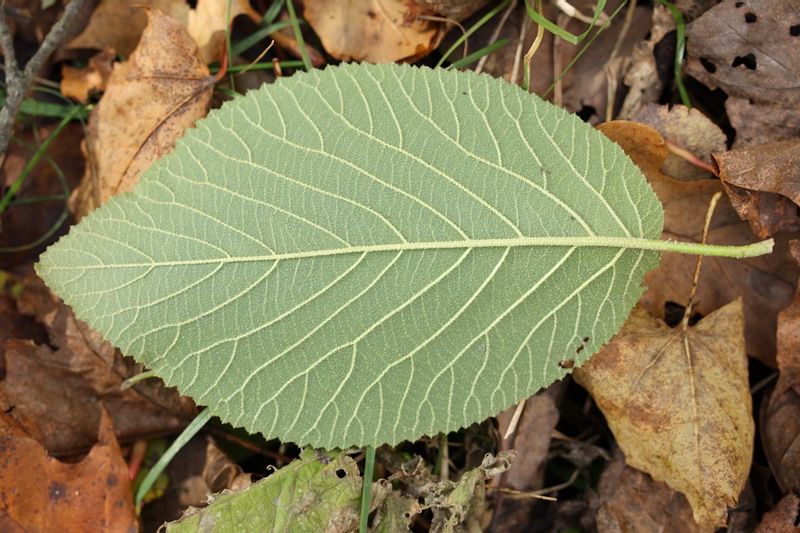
366,254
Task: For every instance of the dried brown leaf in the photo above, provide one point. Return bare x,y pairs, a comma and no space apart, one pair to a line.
780,413
632,501
761,123
789,328
150,101
378,31
765,283
754,176
780,432
40,493
749,50
531,440
55,392
679,405
783,518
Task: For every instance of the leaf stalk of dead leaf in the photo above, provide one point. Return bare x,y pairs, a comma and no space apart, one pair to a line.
687,156
19,81
712,204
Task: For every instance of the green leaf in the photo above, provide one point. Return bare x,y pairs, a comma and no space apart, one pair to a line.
367,254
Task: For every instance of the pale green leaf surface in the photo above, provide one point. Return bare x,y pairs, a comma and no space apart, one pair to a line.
367,254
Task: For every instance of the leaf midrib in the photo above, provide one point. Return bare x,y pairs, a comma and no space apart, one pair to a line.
516,242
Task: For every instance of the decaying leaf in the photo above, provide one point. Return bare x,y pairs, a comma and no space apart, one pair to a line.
377,31
315,492
38,492
757,123
751,50
766,284
748,49
679,405
764,184
150,101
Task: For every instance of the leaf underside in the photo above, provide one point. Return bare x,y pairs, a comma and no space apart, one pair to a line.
340,258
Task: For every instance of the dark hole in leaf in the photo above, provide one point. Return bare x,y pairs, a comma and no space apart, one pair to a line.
750,17
586,339
794,31
341,473
739,4
749,61
708,65
371,14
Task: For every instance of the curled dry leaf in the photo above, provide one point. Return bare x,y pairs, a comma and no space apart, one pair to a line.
765,283
38,492
378,31
150,101
764,185
678,403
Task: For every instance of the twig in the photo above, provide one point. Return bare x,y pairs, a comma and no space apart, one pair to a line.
19,81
